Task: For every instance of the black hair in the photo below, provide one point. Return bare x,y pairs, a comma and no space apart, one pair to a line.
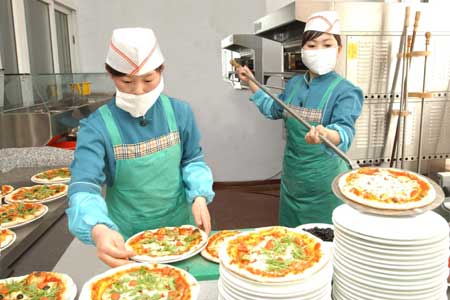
116,73
311,35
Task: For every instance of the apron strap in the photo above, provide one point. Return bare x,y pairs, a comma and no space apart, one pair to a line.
111,125
170,115
328,92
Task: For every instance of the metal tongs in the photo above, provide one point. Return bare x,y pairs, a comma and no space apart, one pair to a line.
353,165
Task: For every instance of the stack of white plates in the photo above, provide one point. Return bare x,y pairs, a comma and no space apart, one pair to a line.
392,258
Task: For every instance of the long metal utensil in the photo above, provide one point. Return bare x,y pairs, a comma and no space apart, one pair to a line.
419,151
305,123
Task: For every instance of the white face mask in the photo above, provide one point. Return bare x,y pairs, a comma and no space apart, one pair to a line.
320,61
138,105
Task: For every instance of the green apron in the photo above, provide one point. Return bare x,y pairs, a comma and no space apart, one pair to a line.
308,171
148,191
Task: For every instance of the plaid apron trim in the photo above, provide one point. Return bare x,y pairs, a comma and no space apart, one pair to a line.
130,151
308,114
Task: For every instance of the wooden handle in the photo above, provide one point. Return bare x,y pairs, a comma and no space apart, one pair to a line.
427,38
407,12
409,42
235,63
416,20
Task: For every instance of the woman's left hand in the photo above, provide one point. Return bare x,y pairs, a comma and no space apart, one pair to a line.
201,214
312,137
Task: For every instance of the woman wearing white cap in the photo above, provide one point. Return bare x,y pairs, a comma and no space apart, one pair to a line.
329,102
145,147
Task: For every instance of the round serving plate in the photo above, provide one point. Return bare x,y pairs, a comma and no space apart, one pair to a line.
368,281
383,278
306,287
392,257
387,270
361,291
413,264
425,226
407,249
440,196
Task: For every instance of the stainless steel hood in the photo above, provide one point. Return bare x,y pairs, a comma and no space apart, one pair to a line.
280,26
241,42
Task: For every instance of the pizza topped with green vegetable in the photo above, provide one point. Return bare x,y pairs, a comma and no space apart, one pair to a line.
60,175
15,214
274,254
167,243
142,281
37,286
37,193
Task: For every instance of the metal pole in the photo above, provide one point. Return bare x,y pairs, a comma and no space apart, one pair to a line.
419,152
327,142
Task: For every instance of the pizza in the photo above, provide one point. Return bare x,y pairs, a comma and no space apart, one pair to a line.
387,188
5,189
142,281
211,251
167,243
274,254
7,237
15,214
60,175
38,286
37,193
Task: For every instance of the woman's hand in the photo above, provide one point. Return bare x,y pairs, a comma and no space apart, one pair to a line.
110,246
201,214
244,73
312,137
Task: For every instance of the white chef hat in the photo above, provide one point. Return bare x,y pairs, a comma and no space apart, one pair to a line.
324,21
134,51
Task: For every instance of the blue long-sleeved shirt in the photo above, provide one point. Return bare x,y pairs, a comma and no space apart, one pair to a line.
340,113
94,163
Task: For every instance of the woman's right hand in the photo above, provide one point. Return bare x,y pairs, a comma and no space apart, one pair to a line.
244,73
110,246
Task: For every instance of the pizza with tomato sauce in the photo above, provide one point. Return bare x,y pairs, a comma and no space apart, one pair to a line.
60,175
7,237
274,254
17,214
5,190
387,188
38,286
142,281
167,243
211,251
37,193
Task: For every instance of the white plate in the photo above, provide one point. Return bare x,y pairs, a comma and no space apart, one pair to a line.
86,290
413,286
434,239
53,182
27,222
392,280
71,284
309,285
411,228
376,246
432,249
173,258
352,289
386,270
10,242
414,265
390,257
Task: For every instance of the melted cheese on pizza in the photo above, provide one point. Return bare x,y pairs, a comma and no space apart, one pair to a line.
216,241
55,174
274,252
142,283
166,241
388,186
